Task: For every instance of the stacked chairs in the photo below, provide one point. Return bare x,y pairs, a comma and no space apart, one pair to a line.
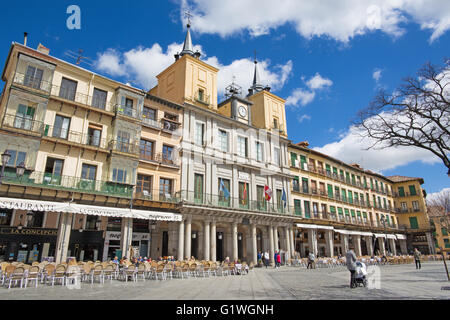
32,275
14,275
59,274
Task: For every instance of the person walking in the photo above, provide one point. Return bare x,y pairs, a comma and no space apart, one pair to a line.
417,255
278,259
259,258
351,266
266,258
311,259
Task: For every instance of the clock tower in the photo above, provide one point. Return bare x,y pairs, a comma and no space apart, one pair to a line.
236,107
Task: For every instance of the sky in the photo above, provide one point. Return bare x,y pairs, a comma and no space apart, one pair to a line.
326,58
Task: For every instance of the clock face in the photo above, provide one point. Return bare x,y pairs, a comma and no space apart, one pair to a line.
242,111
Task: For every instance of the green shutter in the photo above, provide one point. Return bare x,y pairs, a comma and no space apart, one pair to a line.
330,191
340,211
344,195
444,231
353,179
413,222
347,213
401,191
328,168
332,209
365,215
350,197
307,209
412,190
353,213
358,213
335,170
293,158
302,160
298,207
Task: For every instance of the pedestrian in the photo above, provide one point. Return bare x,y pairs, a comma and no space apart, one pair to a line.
266,258
311,259
417,258
259,258
278,260
351,266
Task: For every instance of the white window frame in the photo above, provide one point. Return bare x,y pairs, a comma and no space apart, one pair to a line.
197,135
276,156
258,143
221,140
239,146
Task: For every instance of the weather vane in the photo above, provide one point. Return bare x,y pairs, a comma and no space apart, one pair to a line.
188,15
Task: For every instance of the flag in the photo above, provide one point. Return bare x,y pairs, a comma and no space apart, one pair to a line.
244,196
268,193
284,198
224,190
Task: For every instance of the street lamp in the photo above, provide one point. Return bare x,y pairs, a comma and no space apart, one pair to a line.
5,159
383,222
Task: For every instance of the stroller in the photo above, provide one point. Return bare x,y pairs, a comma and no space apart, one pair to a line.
361,274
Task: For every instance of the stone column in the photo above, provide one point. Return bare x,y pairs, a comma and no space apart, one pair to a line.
206,242
392,245
357,244
329,242
235,241
213,236
187,238
291,237
126,236
181,241
275,238
344,243
271,246
254,245
312,241
403,246
62,241
381,244
369,245
288,243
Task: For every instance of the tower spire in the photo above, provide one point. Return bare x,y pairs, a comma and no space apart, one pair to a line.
188,48
256,86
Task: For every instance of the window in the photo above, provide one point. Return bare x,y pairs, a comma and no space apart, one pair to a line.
144,185
259,151
89,172
33,78
35,219
350,197
404,206
198,188
5,217
276,155
305,185
279,201
91,222
412,190
223,140
344,195
94,135
444,231
261,200
201,95
149,114
170,122
168,154
298,207
16,158
123,141
119,175
224,200
243,194
68,89
401,191
199,133
242,146
415,205
165,187
275,123
330,191
53,171
146,150
296,184
99,99
293,159
24,117
128,103
61,127
413,222
307,209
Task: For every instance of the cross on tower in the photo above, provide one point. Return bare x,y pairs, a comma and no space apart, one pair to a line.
188,15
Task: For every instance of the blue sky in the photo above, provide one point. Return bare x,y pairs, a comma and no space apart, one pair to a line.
320,56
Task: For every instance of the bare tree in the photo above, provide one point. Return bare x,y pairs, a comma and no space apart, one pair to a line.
441,199
416,114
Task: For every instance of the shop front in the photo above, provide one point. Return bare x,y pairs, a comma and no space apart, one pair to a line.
86,245
140,244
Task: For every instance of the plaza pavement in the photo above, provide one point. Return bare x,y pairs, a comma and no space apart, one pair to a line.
287,283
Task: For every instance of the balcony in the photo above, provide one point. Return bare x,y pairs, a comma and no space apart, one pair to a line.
124,147
165,159
126,111
52,132
22,123
408,210
32,83
151,123
85,100
157,195
202,98
170,126
67,183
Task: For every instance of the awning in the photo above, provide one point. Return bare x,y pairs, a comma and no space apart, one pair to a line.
307,226
391,236
367,234
36,205
379,235
342,231
401,237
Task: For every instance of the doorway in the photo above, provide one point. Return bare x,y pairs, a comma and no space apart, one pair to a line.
219,246
165,244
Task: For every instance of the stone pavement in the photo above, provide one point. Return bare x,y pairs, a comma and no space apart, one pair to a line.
287,283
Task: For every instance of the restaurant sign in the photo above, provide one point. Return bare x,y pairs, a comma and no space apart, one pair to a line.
29,232
27,205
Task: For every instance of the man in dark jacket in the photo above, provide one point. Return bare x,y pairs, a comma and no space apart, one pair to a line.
350,259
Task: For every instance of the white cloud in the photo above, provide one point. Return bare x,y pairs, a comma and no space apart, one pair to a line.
351,148
317,82
376,75
340,20
141,66
305,96
436,195
303,118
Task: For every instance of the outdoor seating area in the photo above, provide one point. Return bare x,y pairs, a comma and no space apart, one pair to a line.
21,275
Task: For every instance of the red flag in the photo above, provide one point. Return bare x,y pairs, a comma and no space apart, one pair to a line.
268,193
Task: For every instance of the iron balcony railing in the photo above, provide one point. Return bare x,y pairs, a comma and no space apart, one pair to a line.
124,147
22,123
157,195
151,123
77,184
408,210
81,98
126,111
32,82
160,157
74,137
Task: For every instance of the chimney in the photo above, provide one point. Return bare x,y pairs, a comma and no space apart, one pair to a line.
43,49
25,38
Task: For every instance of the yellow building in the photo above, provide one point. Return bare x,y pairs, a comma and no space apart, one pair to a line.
440,221
77,135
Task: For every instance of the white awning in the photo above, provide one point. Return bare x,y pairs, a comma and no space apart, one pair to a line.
401,237
325,227
342,231
379,235
367,234
36,205
391,236
306,226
